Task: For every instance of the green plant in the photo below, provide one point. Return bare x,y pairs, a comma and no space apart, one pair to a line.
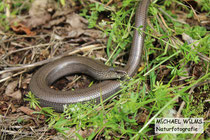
205,4
32,100
63,2
147,95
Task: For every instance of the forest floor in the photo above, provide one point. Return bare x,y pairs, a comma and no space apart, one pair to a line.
172,81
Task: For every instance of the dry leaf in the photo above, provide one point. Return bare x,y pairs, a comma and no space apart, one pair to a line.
188,39
21,28
10,91
42,7
75,33
76,21
11,87
40,12
16,95
5,75
26,110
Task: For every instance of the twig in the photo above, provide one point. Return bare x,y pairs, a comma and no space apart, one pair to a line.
6,78
70,84
94,47
27,48
180,109
171,17
96,137
110,1
16,132
8,6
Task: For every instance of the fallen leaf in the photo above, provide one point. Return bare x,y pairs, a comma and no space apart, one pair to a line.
30,112
42,7
75,33
16,95
13,108
40,12
76,21
21,28
34,22
11,87
26,110
5,75
188,39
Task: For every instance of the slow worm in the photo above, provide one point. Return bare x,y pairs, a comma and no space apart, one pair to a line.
46,75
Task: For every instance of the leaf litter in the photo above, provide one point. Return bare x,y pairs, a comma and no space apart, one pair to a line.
46,33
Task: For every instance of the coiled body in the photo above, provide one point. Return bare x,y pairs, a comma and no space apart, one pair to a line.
49,73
